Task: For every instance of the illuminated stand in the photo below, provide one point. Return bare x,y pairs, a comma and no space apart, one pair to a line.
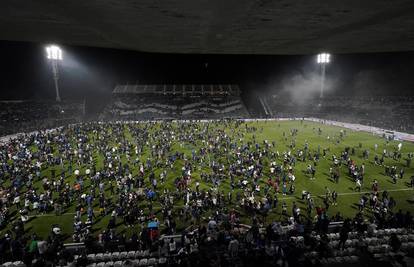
323,59
54,54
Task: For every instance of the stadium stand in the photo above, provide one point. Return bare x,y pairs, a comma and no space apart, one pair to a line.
378,244
219,238
147,102
388,112
20,116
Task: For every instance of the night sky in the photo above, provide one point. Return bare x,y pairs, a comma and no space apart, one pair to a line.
93,72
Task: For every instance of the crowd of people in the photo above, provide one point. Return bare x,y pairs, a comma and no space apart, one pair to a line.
170,176
393,113
26,116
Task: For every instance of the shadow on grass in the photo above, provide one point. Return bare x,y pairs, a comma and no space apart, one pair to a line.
321,197
326,174
31,219
96,229
355,206
13,213
98,219
332,180
349,178
28,229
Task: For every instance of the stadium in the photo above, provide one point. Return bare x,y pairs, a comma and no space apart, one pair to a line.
224,134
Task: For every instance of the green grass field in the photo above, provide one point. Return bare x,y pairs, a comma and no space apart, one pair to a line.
271,131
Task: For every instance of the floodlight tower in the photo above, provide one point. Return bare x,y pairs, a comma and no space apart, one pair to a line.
54,54
323,59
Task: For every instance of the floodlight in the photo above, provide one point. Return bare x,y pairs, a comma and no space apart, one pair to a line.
54,52
323,58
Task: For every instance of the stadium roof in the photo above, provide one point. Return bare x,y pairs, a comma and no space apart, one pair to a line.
215,26
185,89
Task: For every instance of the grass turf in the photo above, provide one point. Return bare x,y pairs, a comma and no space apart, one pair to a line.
271,131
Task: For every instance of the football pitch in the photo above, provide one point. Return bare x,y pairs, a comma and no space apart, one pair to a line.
328,138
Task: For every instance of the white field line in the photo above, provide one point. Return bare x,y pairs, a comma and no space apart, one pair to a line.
359,193
390,190
282,198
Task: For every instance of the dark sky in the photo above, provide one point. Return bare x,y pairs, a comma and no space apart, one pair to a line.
95,71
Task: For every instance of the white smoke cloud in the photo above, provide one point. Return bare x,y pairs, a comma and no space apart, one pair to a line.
301,87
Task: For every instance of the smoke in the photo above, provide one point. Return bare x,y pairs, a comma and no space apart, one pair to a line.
301,87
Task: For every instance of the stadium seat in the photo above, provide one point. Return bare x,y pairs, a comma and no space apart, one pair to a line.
385,248
152,262
143,262
330,260
99,257
313,254
339,253
19,264
131,255
354,259
334,244
115,256
139,254
339,259
123,255
162,261
146,253
118,264
353,235
91,257
108,264
377,255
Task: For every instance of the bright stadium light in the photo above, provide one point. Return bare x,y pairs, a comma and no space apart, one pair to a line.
54,54
323,59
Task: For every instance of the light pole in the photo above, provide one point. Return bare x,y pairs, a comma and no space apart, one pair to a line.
54,54
323,59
